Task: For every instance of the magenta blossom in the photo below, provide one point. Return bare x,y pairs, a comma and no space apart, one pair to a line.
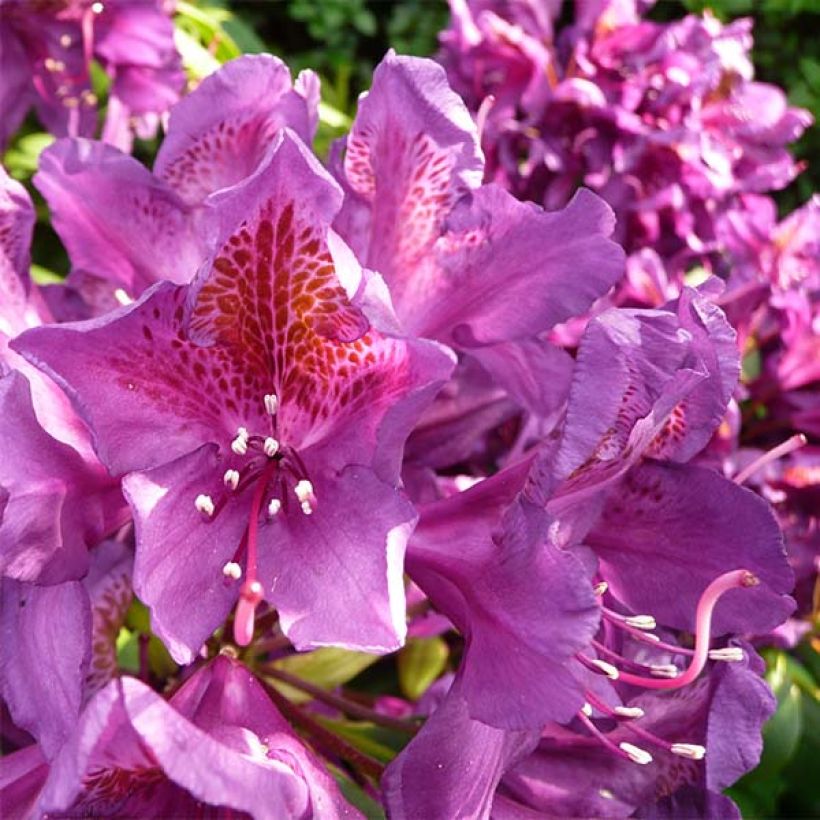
284,414
47,52
662,119
121,243
218,742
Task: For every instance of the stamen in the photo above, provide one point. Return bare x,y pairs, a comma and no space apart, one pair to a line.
270,447
65,40
240,444
730,654
635,753
97,8
690,750
629,712
232,571
587,709
122,297
606,794
231,479
607,668
307,498
204,504
664,670
274,505
645,622
788,446
271,403
739,578
600,589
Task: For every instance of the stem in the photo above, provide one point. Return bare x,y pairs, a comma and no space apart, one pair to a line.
342,704
324,737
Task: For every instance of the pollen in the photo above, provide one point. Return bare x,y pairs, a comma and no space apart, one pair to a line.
271,447
232,571
204,504
271,403
231,479
274,506
690,750
240,444
635,753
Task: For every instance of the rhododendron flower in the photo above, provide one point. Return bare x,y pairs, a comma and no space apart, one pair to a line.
218,742
49,674
126,228
56,500
662,119
47,50
283,413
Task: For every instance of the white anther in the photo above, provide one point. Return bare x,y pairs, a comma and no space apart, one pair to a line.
731,654
648,636
629,711
274,505
122,297
240,444
646,622
587,709
89,98
65,40
600,589
271,403
690,750
205,505
665,670
232,570
606,794
71,102
231,479
97,8
636,753
306,508
607,668
303,490
54,65
271,447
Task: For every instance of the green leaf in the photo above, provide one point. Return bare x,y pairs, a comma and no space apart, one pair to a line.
751,366
376,741
197,61
128,651
355,795
23,155
44,276
420,663
328,667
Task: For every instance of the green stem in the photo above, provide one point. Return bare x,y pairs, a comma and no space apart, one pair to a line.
342,704
324,737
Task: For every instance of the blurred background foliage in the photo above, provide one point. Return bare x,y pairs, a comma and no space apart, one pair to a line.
343,40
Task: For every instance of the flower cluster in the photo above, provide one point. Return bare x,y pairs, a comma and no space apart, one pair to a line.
295,409
663,120
48,47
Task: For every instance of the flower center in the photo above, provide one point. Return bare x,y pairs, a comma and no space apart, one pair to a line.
276,472
656,676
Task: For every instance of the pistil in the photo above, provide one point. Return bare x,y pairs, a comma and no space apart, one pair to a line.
251,593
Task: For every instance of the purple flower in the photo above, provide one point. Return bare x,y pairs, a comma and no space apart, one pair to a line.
48,48
126,228
282,416
217,742
49,673
56,500
662,119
